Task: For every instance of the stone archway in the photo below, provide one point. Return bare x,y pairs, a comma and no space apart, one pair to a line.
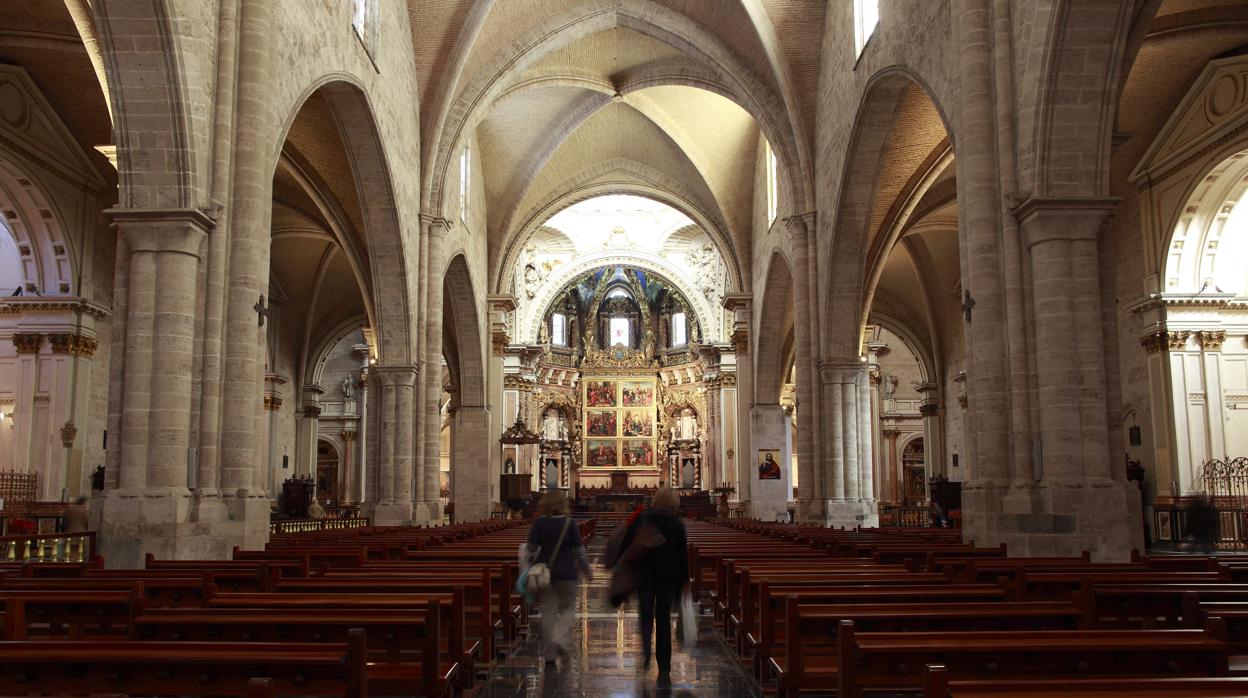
463,347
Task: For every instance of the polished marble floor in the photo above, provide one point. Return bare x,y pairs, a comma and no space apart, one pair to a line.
607,658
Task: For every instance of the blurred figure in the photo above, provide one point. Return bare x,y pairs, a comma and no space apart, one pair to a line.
661,565
559,599
315,510
76,516
1202,524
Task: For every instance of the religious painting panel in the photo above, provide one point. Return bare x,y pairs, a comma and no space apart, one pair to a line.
637,453
769,464
600,393
637,423
600,423
600,453
637,393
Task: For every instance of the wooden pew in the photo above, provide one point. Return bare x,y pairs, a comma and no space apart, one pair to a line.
815,635
413,648
66,615
937,684
895,661
83,668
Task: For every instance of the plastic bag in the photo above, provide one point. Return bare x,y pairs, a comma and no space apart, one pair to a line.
687,629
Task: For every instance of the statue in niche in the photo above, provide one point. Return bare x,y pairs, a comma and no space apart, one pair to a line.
348,387
688,425
532,281
889,384
563,430
550,425
647,344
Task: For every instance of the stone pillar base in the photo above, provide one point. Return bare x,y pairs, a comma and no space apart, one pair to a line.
849,513
428,512
1053,518
161,522
392,514
208,505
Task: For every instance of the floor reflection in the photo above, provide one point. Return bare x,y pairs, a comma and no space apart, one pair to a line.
608,660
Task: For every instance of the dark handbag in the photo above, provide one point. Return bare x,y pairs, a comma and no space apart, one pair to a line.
623,583
647,539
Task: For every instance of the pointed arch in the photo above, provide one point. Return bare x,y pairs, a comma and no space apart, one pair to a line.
774,343
462,325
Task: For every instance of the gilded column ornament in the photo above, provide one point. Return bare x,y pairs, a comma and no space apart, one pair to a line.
1162,340
75,344
1211,340
27,343
272,401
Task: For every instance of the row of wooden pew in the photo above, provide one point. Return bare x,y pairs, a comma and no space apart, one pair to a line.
810,609
386,610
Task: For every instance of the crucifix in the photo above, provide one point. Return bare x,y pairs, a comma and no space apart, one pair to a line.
262,311
967,304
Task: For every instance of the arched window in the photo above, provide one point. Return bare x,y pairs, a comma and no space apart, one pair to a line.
773,199
559,329
679,330
866,17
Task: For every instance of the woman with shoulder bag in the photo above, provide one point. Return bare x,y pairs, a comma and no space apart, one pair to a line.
661,569
557,553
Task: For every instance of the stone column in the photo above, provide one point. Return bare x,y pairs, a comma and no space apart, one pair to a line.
149,509
306,430
933,443
988,425
769,500
810,470
397,448
739,305
847,403
1079,505
347,481
247,286
889,460
429,508
501,310
470,481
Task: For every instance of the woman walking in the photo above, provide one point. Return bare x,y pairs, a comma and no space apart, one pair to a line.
555,541
661,573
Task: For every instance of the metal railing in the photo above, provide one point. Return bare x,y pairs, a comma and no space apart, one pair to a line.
905,517
1226,483
309,525
51,547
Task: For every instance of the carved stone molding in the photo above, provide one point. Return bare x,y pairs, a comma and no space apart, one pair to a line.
76,344
309,411
929,409
890,433
348,436
272,402
1161,340
1211,340
27,343
962,401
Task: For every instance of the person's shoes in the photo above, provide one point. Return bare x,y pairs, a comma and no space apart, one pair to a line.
665,677
645,663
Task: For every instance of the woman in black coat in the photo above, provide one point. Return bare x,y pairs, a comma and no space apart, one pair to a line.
661,574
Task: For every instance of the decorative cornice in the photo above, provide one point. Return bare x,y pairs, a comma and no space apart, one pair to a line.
309,411
44,304
1225,301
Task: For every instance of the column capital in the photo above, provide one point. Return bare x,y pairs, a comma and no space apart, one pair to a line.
27,343
348,436
929,409
76,344
1211,340
162,229
434,225
398,376
1050,218
1157,341
842,372
800,225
